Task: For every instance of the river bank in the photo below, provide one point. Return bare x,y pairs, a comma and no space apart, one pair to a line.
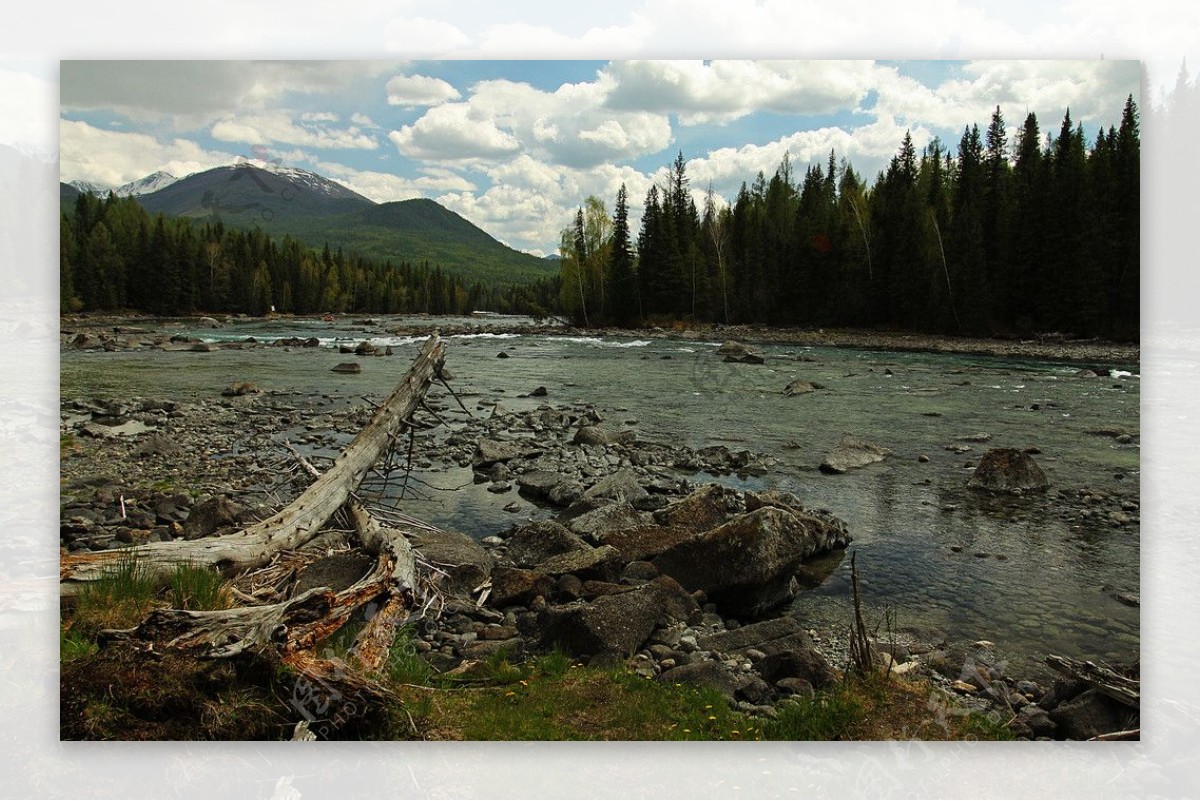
1097,354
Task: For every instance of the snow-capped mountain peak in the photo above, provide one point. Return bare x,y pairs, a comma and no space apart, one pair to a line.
144,186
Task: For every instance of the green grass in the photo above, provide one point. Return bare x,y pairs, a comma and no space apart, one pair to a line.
198,588
405,665
73,644
828,716
119,598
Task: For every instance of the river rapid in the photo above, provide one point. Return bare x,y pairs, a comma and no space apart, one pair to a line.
1035,574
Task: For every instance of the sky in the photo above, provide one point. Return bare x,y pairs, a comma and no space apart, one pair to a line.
516,146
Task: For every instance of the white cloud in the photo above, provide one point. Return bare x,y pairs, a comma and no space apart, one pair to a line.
383,187
111,158
362,120
319,116
278,126
452,132
568,126
722,91
410,91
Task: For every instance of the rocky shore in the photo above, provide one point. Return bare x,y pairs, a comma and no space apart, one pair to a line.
123,332
627,561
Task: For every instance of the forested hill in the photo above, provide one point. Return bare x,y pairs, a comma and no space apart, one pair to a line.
1040,234
320,211
115,255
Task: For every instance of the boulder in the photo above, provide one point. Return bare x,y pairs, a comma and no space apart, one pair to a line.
207,322
801,387
543,484
207,517
703,509
239,389
1008,470
851,453
465,561
337,572
512,585
705,673
347,367
780,649
490,451
610,517
603,563
539,541
645,542
618,623
746,565
622,485
593,435
1090,714
740,352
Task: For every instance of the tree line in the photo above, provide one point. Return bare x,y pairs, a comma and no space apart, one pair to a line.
990,238
114,255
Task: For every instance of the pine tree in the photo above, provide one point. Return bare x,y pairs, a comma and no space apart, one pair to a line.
622,283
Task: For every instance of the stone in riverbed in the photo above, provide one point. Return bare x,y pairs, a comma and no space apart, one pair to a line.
539,541
622,485
1008,470
611,517
740,352
603,563
347,367
852,453
466,561
746,566
490,451
207,517
801,387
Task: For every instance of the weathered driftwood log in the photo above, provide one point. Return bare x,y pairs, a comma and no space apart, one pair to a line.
298,522
1106,681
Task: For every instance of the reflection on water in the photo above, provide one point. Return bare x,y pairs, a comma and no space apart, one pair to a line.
947,561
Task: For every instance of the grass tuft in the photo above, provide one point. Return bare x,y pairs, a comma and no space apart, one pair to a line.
198,588
119,598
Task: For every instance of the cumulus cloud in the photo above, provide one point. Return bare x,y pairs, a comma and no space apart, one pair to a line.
111,158
453,132
411,91
279,126
383,187
722,91
195,93
568,126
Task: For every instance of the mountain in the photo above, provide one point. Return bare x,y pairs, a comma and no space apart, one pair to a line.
243,196
319,211
89,186
66,195
144,186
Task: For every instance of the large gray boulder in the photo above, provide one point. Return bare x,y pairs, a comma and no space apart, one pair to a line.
852,453
1091,714
622,485
746,566
617,624
539,541
490,451
546,485
610,517
1008,470
603,563
211,516
703,509
781,647
465,561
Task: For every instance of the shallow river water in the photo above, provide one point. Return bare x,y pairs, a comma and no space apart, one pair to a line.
943,561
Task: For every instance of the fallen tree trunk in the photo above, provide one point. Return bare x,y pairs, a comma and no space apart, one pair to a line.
297,523
1106,681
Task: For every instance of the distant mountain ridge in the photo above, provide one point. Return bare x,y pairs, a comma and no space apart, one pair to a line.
320,211
144,186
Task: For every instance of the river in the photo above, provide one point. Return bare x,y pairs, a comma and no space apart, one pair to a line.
1029,574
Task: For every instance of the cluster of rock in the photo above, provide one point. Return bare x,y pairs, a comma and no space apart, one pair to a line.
662,591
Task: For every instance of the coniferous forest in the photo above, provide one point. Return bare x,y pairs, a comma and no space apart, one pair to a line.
992,237
115,255
989,238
